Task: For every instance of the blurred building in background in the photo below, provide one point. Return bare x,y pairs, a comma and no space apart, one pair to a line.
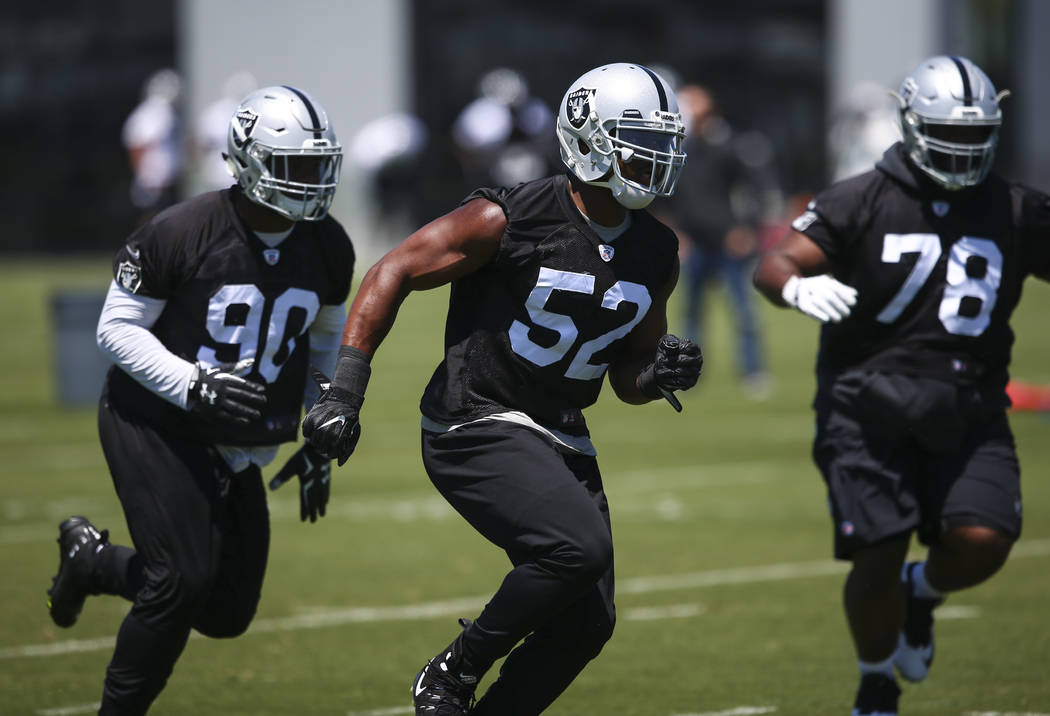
72,72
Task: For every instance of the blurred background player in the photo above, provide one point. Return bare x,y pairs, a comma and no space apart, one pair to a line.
152,136
504,136
388,151
211,130
915,268
717,213
217,307
573,256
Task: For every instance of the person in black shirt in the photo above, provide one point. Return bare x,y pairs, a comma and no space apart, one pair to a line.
217,308
555,283
915,268
717,213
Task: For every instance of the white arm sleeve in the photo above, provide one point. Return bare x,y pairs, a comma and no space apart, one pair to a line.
123,335
326,335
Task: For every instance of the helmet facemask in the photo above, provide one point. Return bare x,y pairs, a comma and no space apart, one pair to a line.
956,153
296,183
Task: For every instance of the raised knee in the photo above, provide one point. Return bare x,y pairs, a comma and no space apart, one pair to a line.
225,628
981,536
596,557
982,543
583,561
169,594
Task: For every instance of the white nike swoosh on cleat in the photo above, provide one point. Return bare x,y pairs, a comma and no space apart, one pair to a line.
340,419
415,688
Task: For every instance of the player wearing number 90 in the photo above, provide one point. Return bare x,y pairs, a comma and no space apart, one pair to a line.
218,307
555,283
927,254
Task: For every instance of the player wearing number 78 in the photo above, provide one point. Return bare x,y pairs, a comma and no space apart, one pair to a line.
914,268
555,283
217,309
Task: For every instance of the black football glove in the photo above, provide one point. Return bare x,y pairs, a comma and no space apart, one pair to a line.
315,474
332,425
218,395
677,366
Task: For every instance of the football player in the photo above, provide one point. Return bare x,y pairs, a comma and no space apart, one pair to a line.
555,283
914,268
218,307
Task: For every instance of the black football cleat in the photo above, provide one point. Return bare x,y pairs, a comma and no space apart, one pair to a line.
79,545
877,696
445,686
914,654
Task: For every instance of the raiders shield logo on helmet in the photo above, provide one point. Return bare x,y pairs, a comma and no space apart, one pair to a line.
578,106
247,119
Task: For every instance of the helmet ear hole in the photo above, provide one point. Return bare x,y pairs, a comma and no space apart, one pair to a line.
584,149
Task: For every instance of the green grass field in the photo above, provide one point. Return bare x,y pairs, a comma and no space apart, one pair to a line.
727,596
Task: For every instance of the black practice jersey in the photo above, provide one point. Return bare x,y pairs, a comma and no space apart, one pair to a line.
230,297
536,328
938,273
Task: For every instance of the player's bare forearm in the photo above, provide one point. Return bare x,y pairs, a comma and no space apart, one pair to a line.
640,347
772,273
795,255
374,308
623,377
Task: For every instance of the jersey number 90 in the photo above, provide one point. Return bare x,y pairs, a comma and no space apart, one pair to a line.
235,315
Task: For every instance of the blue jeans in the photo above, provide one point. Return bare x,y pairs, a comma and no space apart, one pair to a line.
699,270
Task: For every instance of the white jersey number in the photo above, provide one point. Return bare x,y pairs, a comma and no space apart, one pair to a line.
235,315
580,368
959,284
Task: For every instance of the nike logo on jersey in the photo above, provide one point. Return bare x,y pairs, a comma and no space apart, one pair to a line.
339,419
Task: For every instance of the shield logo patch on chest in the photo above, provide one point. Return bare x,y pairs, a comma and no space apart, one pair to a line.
941,208
606,252
272,256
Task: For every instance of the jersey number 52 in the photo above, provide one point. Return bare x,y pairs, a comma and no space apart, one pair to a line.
580,368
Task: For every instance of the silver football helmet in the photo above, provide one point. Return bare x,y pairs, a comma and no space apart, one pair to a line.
619,127
283,152
950,119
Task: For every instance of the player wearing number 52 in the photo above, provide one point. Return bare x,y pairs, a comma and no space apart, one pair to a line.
915,268
218,307
555,283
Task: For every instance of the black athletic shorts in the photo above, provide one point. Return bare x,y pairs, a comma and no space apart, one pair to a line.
929,463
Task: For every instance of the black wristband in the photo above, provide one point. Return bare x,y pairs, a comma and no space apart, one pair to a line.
352,371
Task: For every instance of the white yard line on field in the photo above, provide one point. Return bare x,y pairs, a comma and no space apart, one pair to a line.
70,710
409,507
738,711
665,611
392,711
638,585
